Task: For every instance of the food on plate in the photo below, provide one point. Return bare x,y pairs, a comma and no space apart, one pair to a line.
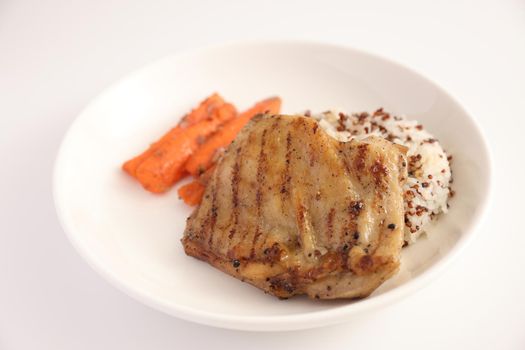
292,210
198,114
317,204
427,188
192,146
158,168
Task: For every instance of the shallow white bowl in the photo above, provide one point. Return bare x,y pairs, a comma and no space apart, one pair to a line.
132,237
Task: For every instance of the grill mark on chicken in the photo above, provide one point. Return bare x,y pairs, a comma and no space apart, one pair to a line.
213,213
263,240
285,187
205,232
311,152
354,209
330,223
360,159
347,165
302,225
315,127
261,169
235,248
312,157
356,167
235,192
378,171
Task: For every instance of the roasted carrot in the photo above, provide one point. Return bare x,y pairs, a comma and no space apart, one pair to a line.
131,165
203,158
198,114
165,165
192,192
203,110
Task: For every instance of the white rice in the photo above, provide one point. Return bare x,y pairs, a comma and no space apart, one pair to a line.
427,188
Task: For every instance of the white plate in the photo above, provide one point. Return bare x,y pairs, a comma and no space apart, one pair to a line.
132,237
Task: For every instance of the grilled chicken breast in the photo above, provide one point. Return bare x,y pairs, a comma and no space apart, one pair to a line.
293,211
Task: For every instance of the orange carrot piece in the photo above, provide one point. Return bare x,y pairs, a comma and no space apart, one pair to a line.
131,165
203,158
165,166
203,110
192,192
198,114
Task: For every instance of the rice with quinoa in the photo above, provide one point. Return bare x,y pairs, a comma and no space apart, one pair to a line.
427,188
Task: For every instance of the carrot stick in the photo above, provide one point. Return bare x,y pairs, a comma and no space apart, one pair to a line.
158,172
203,158
131,165
192,192
203,111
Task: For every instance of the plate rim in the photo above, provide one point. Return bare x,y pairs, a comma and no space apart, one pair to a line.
305,320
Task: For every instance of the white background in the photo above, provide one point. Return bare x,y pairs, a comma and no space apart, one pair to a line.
55,56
